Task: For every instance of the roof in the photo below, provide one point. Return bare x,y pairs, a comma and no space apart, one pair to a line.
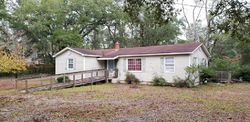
187,48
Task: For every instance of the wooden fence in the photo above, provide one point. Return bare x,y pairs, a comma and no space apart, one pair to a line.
224,76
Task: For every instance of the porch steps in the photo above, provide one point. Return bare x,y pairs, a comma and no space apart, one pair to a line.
114,80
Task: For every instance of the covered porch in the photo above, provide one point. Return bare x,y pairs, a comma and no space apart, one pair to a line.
111,67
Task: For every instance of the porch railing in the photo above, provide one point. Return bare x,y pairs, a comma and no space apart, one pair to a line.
26,83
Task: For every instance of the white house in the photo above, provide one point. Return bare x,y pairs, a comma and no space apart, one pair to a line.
168,61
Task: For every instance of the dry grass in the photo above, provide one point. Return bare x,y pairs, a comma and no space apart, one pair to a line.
120,102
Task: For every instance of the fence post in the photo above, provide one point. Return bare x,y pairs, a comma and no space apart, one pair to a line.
220,76
92,80
41,82
51,82
229,77
63,78
106,75
82,77
26,86
74,81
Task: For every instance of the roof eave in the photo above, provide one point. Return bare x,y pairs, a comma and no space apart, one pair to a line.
204,49
154,54
68,48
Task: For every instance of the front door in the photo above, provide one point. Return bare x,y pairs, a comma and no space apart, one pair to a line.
111,67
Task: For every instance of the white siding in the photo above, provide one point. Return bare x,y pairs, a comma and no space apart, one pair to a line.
61,62
153,66
81,63
199,53
92,63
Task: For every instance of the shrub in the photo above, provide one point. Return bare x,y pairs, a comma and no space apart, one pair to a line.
193,73
243,72
159,81
180,83
60,79
219,64
207,73
40,69
130,78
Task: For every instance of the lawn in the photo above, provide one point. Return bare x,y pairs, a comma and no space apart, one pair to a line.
120,102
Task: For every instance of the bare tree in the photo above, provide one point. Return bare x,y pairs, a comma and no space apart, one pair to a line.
199,5
209,42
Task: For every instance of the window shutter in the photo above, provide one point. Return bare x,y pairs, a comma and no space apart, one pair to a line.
143,64
124,65
66,65
162,64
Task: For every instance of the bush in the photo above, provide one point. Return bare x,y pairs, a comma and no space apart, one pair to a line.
243,72
130,78
160,81
222,65
193,73
180,83
39,69
60,79
207,73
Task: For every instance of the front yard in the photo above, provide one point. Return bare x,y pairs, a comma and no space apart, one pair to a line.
119,102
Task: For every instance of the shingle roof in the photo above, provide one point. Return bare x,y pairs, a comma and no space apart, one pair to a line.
111,53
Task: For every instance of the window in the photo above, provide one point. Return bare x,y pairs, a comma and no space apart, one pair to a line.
169,64
134,64
70,64
204,62
195,60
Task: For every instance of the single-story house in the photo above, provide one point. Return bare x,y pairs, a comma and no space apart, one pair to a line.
168,61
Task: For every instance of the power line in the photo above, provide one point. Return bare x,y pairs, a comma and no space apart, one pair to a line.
190,5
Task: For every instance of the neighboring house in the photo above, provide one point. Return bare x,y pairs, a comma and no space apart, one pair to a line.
168,61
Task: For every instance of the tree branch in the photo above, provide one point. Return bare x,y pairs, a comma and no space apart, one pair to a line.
183,9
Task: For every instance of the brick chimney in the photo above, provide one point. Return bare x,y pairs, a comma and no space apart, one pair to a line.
117,45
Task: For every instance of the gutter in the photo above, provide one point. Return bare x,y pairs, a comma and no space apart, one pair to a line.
156,54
